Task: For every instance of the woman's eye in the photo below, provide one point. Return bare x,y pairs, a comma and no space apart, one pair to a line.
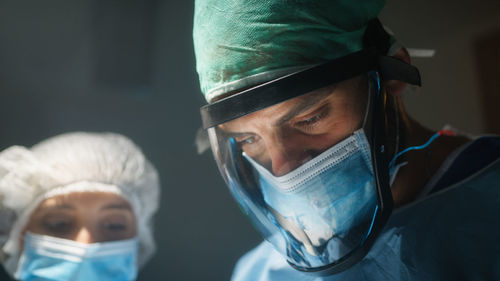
57,226
114,226
117,226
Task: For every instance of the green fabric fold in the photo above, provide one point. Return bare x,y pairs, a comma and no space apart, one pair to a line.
241,43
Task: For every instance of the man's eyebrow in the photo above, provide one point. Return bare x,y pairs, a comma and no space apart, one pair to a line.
306,104
230,134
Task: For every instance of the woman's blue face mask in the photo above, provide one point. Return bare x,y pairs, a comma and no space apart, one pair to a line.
51,258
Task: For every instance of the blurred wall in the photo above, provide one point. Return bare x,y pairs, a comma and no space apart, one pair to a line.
450,92
128,67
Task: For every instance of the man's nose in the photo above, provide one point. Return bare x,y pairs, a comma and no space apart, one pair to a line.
286,155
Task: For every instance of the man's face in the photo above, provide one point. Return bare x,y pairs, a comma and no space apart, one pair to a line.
284,136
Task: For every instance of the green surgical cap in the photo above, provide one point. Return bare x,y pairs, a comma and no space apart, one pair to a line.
242,43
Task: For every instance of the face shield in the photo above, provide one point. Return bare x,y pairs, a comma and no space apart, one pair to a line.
304,156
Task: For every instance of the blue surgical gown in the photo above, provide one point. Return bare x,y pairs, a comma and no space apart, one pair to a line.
451,233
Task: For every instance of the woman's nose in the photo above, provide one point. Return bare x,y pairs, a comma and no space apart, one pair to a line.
84,236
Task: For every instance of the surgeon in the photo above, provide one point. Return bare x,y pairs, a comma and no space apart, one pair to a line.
78,206
306,123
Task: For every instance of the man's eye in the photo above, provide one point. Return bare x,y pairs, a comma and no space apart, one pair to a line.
309,123
312,120
249,140
246,140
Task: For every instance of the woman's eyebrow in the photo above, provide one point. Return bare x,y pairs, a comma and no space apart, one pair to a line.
117,206
57,206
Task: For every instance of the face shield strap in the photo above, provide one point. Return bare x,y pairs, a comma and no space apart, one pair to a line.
299,83
391,68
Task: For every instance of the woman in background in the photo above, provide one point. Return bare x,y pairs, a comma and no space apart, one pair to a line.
78,206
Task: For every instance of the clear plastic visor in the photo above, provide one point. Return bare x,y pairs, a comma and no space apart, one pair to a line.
302,171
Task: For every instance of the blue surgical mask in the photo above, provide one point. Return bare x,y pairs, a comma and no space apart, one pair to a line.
327,203
51,258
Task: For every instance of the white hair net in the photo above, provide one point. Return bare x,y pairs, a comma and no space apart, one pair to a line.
74,162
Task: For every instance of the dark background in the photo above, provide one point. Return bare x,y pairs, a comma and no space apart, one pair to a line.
128,67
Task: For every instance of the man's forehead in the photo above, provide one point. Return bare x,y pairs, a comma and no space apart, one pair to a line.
280,112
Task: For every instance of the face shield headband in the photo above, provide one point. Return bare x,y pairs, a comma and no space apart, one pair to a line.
296,84
373,57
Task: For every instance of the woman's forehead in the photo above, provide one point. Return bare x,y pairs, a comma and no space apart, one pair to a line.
85,199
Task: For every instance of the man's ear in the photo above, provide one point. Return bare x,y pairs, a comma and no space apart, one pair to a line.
395,87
